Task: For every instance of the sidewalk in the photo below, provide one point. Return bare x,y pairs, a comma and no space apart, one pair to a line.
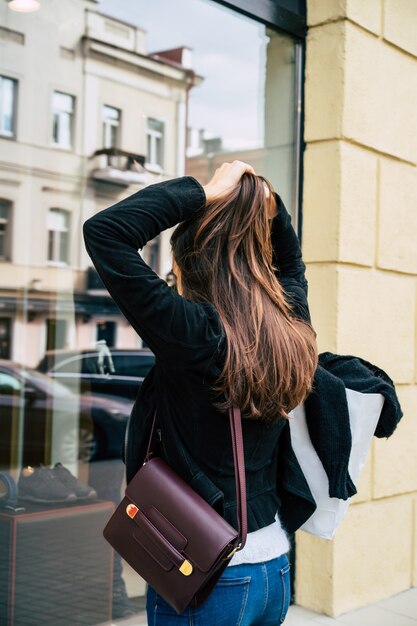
398,610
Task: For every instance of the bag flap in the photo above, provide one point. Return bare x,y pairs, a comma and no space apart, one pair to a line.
185,519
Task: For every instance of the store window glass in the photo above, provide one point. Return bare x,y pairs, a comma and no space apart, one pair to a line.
99,98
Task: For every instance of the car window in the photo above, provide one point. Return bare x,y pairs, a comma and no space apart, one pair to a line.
46,383
9,384
69,366
90,364
79,364
137,365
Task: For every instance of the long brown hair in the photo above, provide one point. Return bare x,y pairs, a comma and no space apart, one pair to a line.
225,256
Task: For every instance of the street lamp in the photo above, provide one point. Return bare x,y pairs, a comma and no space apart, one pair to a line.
24,6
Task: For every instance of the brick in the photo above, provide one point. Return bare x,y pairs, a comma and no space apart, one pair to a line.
324,82
339,205
319,11
367,14
400,20
397,247
414,577
370,302
380,95
314,565
372,553
395,459
322,298
322,190
357,206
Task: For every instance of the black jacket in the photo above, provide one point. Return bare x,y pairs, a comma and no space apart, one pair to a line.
189,344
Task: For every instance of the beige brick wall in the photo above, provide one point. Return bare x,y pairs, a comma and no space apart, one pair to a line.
414,579
359,243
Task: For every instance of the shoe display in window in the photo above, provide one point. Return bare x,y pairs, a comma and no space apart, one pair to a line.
121,606
38,484
81,490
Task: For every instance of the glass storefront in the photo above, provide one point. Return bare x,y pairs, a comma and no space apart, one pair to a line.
97,100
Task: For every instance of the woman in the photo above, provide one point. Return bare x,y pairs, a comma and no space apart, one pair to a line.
236,331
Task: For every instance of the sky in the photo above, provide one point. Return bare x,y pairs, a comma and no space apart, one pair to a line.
228,50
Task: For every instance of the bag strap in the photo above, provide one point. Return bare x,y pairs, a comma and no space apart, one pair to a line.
239,463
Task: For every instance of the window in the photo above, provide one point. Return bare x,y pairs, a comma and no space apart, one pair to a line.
68,366
106,330
136,365
58,236
155,143
111,126
5,233
62,119
56,334
9,384
150,253
5,337
8,90
128,85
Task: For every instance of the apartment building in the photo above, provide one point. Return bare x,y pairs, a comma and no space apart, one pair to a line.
88,117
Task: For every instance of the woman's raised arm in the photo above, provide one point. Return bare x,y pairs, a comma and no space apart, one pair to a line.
172,326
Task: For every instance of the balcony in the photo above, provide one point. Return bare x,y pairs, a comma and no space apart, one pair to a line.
118,167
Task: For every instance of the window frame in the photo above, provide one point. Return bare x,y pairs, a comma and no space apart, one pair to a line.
289,16
7,257
3,133
58,144
151,251
108,123
153,134
57,240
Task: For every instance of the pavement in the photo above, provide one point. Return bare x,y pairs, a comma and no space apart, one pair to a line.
398,610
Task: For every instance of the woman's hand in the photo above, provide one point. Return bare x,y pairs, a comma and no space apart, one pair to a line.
225,178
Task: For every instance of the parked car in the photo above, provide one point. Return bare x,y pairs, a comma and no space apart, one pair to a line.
38,413
112,371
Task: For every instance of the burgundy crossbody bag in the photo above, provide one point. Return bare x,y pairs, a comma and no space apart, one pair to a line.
170,535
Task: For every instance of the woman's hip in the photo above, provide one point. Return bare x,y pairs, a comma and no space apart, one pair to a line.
245,595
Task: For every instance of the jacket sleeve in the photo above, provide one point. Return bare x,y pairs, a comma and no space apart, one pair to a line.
287,259
171,325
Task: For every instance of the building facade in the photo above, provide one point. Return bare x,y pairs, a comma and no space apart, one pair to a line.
359,236
109,118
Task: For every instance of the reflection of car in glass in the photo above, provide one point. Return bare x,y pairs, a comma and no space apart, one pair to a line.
116,372
92,424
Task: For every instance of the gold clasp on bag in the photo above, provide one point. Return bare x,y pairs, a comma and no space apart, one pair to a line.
186,568
229,556
131,510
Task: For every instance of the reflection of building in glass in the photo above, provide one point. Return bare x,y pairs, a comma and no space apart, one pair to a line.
199,143
111,127
275,156
110,119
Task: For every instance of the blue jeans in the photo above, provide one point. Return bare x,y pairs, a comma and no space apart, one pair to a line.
250,594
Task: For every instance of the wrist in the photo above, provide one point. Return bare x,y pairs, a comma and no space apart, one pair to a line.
210,192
